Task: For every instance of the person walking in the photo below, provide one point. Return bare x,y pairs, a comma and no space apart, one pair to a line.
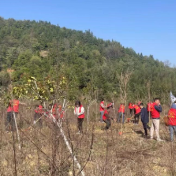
80,113
156,109
144,119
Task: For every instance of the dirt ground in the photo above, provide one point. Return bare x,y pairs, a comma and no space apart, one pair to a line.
100,153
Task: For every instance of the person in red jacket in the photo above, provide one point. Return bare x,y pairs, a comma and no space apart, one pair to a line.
79,112
149,106
102,108
172,121
121,112
156,109
12,111
137,112
107,116
130,106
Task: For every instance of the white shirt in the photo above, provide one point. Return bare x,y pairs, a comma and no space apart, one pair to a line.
79,113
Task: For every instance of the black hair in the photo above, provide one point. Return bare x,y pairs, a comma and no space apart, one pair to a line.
77,103
156,99
141,104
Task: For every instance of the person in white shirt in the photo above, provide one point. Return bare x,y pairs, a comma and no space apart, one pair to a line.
80,113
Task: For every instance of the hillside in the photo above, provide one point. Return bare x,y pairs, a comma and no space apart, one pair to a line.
41,49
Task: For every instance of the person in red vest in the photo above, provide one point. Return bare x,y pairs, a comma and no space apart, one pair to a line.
13,110
102,108
38,114
80,113
156,109
149,106
121,112
108,115
137,112
130,106
172,121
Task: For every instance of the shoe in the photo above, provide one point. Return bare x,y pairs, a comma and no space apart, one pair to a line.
160,140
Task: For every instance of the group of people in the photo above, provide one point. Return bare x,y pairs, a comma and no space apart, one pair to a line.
152,111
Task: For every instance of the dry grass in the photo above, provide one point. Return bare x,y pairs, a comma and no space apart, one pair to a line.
44,152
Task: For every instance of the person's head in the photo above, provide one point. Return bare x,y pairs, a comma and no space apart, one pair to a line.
141,105
157,101
77,104
102,99
175,102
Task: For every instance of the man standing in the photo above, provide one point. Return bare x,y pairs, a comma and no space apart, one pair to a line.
102,107
137,112
156,109
130,106
144,118
121,112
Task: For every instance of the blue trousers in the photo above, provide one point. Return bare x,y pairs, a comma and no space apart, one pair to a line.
101,116
172,129
121,115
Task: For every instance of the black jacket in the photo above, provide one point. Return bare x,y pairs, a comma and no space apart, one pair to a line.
144,115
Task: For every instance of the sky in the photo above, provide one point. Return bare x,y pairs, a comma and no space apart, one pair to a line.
147,26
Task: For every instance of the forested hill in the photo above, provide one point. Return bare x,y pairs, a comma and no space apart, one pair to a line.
41,49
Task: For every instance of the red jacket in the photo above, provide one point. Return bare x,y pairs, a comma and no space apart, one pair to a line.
154,113
82,115
137,109
101,109
122,109
172,117
130,106
104,115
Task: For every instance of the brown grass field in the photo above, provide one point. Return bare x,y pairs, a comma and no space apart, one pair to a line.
100,153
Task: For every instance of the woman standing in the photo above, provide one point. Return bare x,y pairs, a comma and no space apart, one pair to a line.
79,112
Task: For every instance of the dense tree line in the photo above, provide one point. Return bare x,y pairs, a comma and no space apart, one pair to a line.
90,64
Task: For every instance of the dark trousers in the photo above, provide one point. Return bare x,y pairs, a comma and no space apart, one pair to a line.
10,122
37,119
108,123
145,128
136,118
80,122
131,112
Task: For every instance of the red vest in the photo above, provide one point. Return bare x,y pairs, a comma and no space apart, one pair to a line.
82,115
104,115
154,113
149,107
137,109
130,106
10,108
101,109
122,109
172,117
39,109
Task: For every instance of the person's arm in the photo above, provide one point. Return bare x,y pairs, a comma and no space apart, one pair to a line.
82,111
75,112
158,108
102,105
